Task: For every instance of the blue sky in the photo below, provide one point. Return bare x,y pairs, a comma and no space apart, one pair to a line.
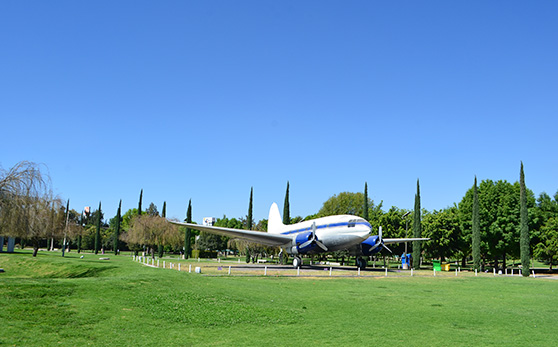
202,100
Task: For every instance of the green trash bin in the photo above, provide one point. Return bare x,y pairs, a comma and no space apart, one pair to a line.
436,265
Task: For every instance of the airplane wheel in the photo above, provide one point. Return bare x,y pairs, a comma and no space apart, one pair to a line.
361,263
297,262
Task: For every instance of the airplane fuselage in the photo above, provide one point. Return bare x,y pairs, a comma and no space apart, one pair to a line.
335,232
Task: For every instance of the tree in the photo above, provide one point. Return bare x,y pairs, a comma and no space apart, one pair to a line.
152,210
417,230
117,229
286,208
150,231
28,208
249,218
524,220
98,234
164,215
139,203
443,229
349,203
365,207
476,229
187,232
547,248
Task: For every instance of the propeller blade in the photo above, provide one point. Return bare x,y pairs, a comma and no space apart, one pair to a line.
386,247
306,244
321,245
380,234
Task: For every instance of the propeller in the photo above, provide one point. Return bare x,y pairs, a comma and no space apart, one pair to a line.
380,242
314,239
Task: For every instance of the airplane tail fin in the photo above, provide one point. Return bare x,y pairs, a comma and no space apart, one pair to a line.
274,224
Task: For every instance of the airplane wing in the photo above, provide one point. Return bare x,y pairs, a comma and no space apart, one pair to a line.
249,235
389,241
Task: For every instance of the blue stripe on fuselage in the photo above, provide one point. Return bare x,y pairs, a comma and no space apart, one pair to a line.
333,225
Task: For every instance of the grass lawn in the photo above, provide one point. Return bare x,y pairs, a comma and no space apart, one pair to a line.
50,300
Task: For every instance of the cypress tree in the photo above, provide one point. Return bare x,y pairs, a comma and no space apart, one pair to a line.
164,215
524,231
249,217
286,208
365,206
416,230
98,233
79,236
476,229
187,245
139,204
117,230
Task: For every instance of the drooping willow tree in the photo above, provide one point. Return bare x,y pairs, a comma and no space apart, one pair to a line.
28,208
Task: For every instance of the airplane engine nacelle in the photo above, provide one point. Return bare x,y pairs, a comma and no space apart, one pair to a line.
370,245
300,240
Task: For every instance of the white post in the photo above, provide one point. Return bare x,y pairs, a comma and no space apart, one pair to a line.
455,272
178,266
239,260
190,268
297,271
331,267
506,271
163,264
512,271
386,272
434,273
359,271
475,272
265,271
157,262
411,272
198,260
494,270
229,269
219,260
534,274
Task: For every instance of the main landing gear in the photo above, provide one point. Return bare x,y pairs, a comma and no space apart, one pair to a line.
361,263
297,262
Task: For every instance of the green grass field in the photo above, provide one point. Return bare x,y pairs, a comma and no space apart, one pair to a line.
50,300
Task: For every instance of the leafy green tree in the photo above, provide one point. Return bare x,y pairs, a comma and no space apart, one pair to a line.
499,219
117,229
349,203
476,229
417,230
152,210
286,208
524,222
547,248
393,226
443,229
98,233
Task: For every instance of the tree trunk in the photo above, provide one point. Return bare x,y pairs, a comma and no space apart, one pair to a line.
35,247
504,262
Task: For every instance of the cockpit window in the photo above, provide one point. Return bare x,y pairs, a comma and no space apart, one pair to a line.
352,223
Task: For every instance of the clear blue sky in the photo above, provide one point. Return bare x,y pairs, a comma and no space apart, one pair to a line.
202,100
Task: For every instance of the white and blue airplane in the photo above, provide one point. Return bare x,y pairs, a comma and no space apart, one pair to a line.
321,235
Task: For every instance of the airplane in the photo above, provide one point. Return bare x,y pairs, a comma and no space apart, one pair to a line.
321,235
